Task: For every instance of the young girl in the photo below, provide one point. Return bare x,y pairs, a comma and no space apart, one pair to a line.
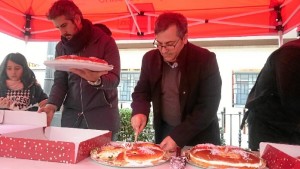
19,89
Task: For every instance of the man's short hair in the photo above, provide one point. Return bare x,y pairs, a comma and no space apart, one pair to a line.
165,20
63,7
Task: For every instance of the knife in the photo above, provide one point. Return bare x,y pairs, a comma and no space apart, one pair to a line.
135,136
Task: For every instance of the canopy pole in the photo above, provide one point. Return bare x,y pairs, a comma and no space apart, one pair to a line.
279,26
27,27
134,19
280,38
298,32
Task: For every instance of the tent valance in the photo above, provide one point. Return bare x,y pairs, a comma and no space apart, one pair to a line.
134,19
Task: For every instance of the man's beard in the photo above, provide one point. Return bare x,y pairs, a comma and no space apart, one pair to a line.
69,36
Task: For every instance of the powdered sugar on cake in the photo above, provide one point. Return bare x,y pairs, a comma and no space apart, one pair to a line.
209,155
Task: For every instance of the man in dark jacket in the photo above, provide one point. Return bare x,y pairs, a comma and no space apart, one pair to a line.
274,101
184,85
90,98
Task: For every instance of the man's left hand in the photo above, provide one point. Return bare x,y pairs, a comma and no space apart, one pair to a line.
168,144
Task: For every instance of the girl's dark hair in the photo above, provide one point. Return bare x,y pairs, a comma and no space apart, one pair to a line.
28,77
167,19
64,7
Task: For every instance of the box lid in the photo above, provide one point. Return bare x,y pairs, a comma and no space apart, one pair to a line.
283,156
292,150
23,118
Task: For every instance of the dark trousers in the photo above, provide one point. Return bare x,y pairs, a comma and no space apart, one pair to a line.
82,123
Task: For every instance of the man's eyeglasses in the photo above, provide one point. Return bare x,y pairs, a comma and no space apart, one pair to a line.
167,46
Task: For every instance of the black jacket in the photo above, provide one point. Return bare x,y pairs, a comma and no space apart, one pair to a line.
275,96
200,93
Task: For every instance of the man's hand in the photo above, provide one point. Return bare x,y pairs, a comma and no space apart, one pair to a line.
49,109
43,103
168,144
88,74
138,123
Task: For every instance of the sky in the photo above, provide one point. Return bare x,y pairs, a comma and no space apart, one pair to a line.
35,52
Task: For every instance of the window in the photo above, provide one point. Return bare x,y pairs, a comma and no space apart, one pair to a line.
243,81
128,81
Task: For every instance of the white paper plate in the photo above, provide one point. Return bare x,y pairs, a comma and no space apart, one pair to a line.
107,163
66,65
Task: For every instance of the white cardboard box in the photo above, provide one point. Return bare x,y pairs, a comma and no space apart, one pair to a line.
23,135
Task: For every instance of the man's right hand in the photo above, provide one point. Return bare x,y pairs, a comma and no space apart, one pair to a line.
138,122
49,109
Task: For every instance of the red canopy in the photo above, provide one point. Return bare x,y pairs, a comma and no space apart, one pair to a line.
134,19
